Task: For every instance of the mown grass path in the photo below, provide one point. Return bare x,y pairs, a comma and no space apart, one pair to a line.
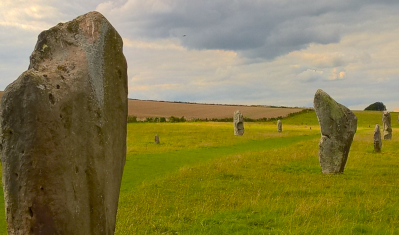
144,167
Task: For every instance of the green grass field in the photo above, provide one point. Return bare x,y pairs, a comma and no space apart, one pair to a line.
202,179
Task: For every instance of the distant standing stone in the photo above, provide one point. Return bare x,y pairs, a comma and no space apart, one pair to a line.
156,139
238,123
279,126
386,121
338,126
63,132
377,139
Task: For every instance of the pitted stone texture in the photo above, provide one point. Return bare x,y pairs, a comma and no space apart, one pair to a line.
377,139
63,132
238,123
279,126
338,126
386,122
156,139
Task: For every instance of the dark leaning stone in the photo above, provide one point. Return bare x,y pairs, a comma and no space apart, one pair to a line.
377,139
338,126
63,132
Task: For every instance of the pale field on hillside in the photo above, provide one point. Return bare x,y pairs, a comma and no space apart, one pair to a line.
142,109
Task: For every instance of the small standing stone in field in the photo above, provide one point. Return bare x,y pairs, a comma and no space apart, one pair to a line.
279,126
377,139
156,139
338,126
310,128
238,123
63,132
386,121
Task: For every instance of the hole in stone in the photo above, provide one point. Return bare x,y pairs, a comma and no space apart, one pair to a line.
58,86
51,98
45,75
62,77
60,115
10,132
16,174
23,151
76,169
30,212
41,188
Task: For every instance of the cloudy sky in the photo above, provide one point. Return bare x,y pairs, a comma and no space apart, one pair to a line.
268,52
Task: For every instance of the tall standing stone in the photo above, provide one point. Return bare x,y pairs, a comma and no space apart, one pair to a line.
156,139
386,122
338,126
279,126
238,123
377,139
63,132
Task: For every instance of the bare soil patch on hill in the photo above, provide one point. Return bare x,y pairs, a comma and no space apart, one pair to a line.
144,109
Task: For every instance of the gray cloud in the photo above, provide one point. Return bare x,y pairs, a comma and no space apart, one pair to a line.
255,29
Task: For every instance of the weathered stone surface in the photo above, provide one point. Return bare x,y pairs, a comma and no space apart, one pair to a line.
377,139
338,127
279,126
238,123
156,139
386,122
63,132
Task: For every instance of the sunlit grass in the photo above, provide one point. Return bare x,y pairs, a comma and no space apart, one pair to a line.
278,191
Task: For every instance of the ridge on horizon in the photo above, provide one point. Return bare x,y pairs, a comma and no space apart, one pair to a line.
223,104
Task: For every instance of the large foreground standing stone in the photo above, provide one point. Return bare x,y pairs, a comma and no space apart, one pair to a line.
279,126
386,128
377,139
238,120
63,132
338,126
